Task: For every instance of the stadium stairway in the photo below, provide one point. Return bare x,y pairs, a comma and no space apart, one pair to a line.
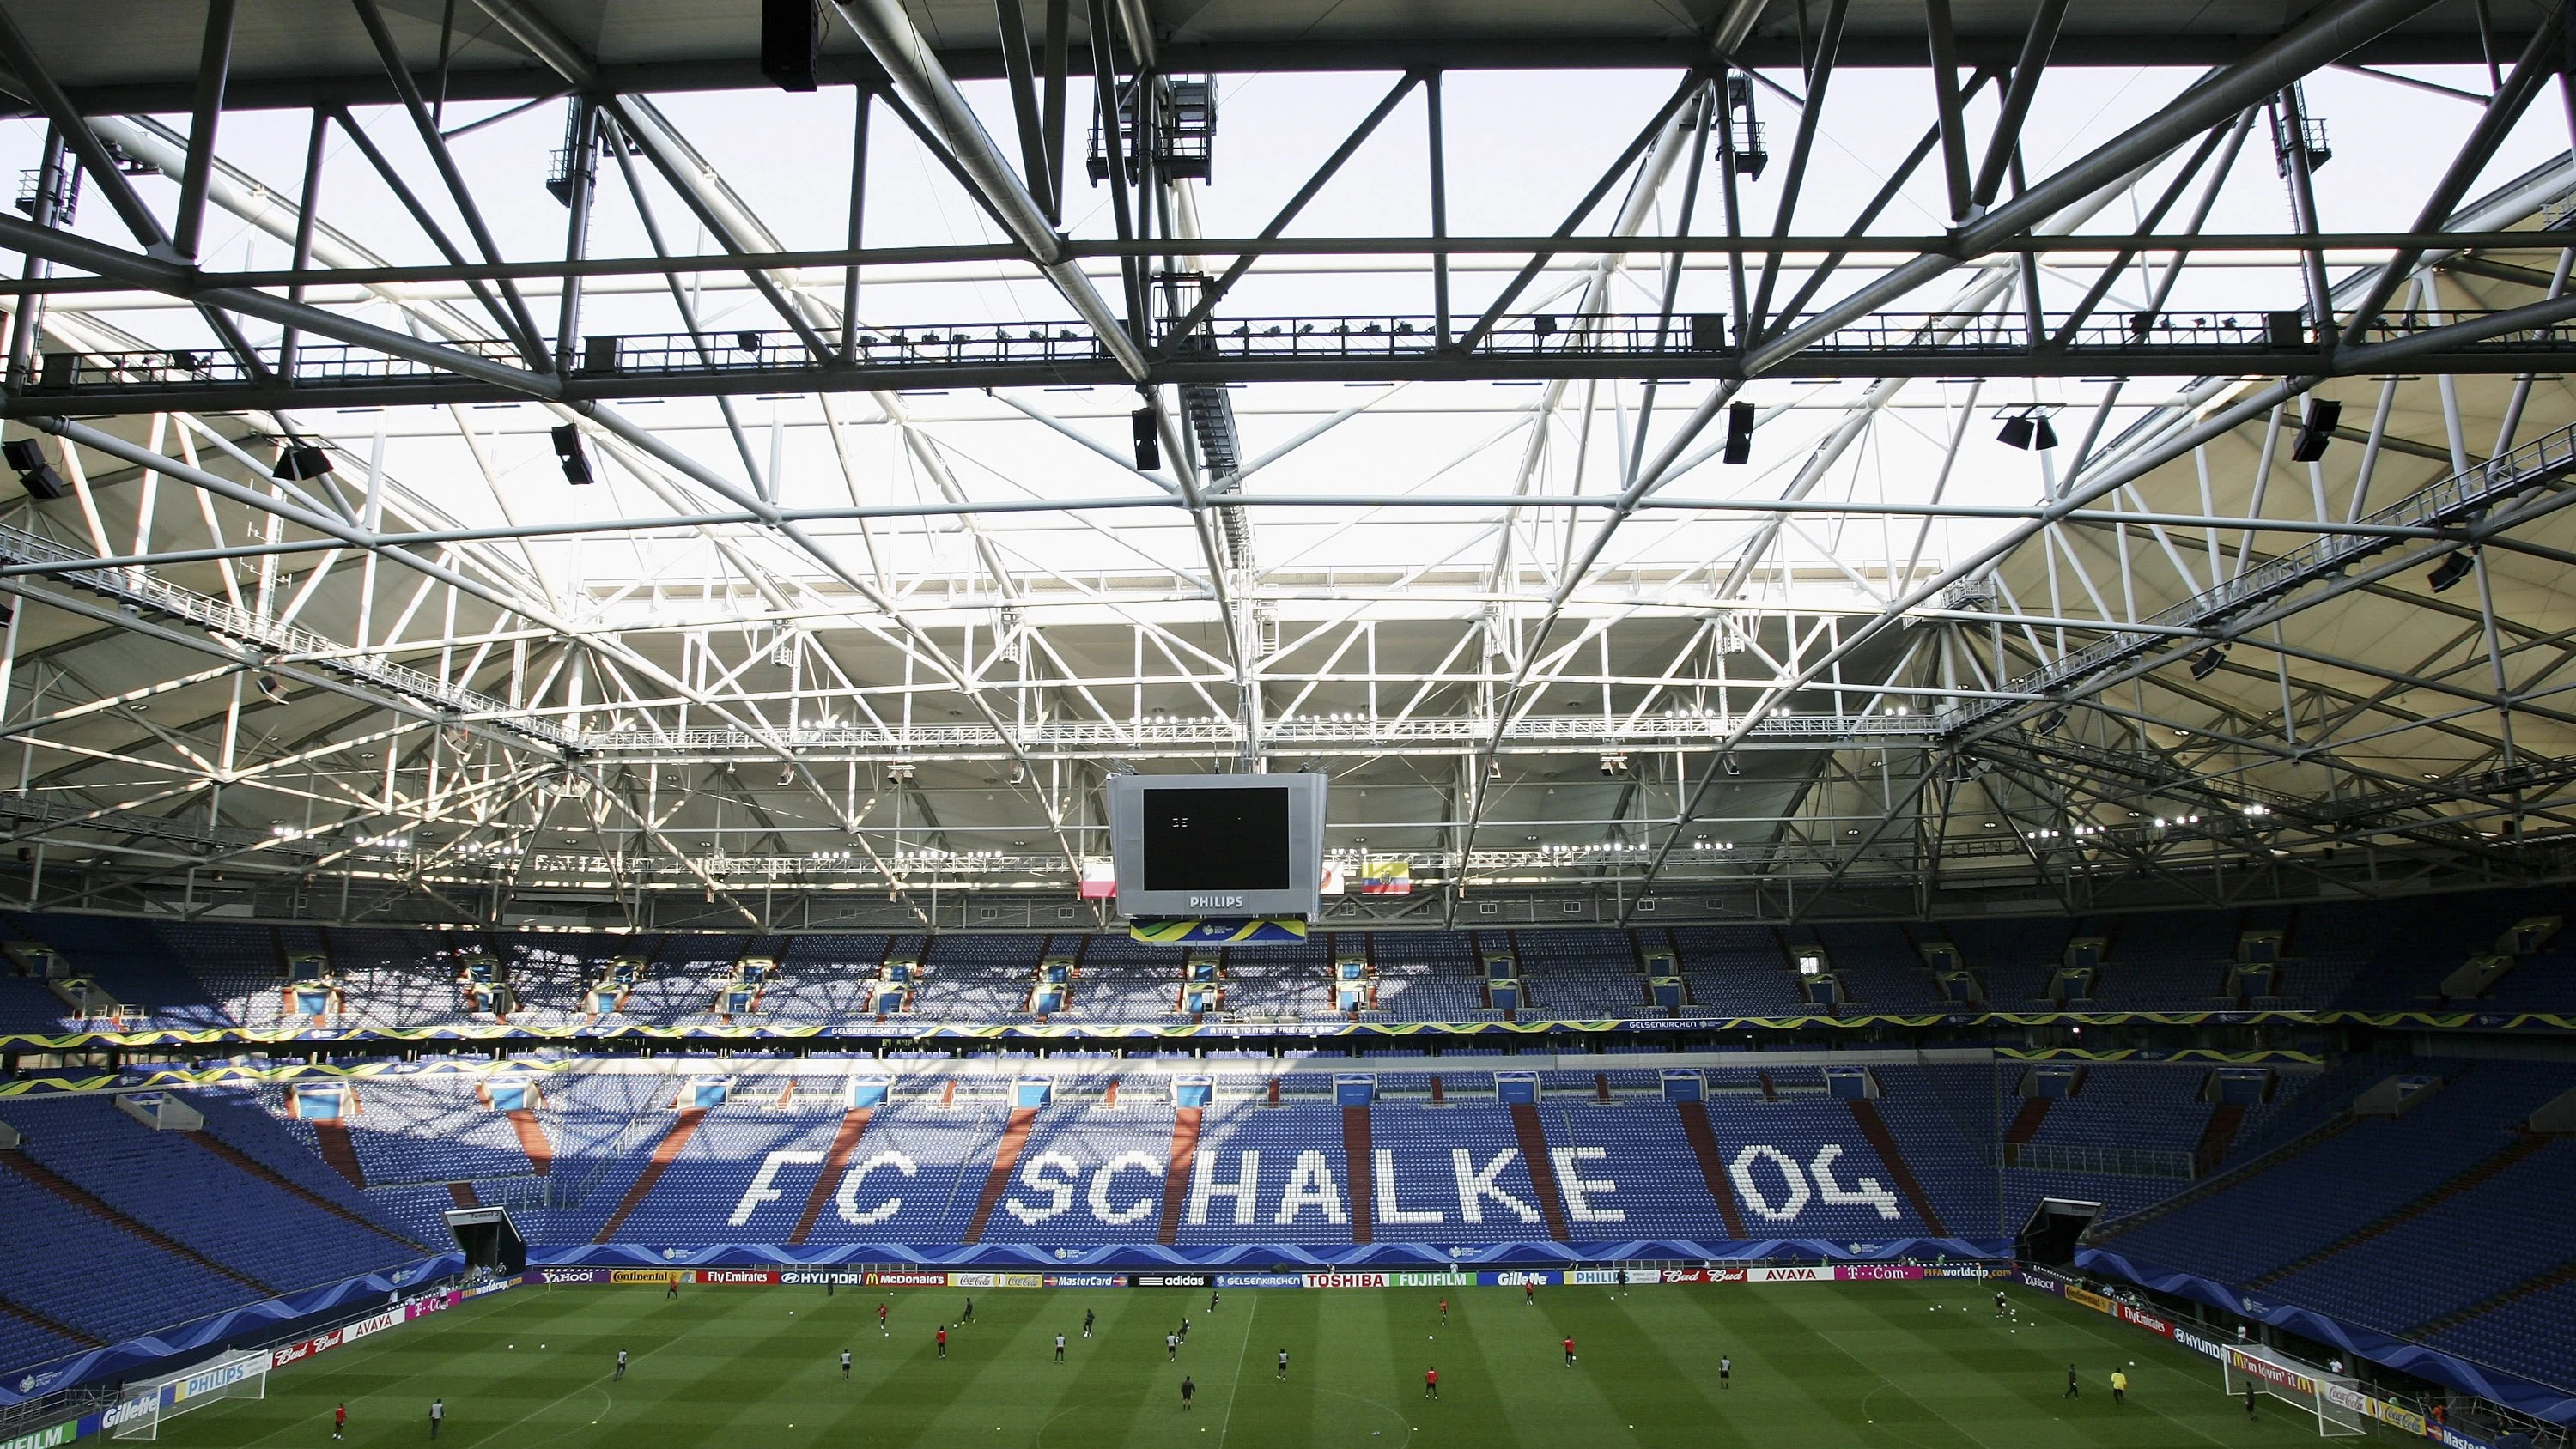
683,1128
1356,1158
533,1141
292,1188
32,1319
1872,1126
1006,1156
836,1160
2533,1286
2460,1182
1176,1179
463,1195
2209,1187
333,1141
1542,1167
63,1188
2218,1137
2027,1122
1712,1167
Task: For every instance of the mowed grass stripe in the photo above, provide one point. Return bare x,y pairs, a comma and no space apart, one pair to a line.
1265,1411
1365,1384
1110,1382
1824,1384
1678,1358
1981,1373
1815,1364
1526,1350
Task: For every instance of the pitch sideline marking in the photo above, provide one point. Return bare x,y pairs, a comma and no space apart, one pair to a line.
1236,1390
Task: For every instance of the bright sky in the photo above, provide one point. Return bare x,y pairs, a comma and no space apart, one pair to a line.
1522,147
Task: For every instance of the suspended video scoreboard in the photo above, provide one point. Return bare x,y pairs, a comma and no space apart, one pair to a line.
1211,847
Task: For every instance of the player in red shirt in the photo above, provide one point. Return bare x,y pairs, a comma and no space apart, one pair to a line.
1444,1310
1431,1383
881,1318
339,1420
943,1345
1569,1353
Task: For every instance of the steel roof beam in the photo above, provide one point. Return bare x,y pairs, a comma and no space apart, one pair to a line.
889,35
273,90
2326,36
109,178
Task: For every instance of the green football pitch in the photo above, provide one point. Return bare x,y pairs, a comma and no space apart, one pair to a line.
1889,1365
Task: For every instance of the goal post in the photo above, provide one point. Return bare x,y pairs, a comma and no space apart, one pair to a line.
2333,1400
233,1376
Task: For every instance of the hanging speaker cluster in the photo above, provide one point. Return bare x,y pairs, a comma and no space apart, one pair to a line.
1739,433
576,463
2316,430
791,43
2027,428
1149,443
27,458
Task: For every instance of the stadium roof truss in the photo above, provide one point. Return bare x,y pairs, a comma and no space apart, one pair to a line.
1713,608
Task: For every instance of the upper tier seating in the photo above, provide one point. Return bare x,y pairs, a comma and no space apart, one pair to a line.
2378,956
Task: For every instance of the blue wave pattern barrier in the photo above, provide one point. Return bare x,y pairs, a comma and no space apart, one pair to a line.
268,1319
2537,1400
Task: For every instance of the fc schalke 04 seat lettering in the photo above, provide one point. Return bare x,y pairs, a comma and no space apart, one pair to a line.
1300,1188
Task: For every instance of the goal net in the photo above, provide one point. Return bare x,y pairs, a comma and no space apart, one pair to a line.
2334,1400
234,1376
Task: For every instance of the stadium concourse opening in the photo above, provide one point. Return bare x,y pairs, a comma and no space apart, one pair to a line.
818,719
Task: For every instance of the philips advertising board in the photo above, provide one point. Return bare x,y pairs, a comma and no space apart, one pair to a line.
1217,845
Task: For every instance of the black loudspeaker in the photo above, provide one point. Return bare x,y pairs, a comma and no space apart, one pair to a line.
301,463
1149,443
791,42
2316,430
1739,433
35,474
576,464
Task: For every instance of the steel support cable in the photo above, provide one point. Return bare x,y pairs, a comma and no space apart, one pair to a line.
689,173
2530,73
321,523
891,37
522,324
2217,425
2152,453
163,277
2324,38
105,174
772,517
734,223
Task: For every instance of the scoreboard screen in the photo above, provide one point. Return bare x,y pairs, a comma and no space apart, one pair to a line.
1237,845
